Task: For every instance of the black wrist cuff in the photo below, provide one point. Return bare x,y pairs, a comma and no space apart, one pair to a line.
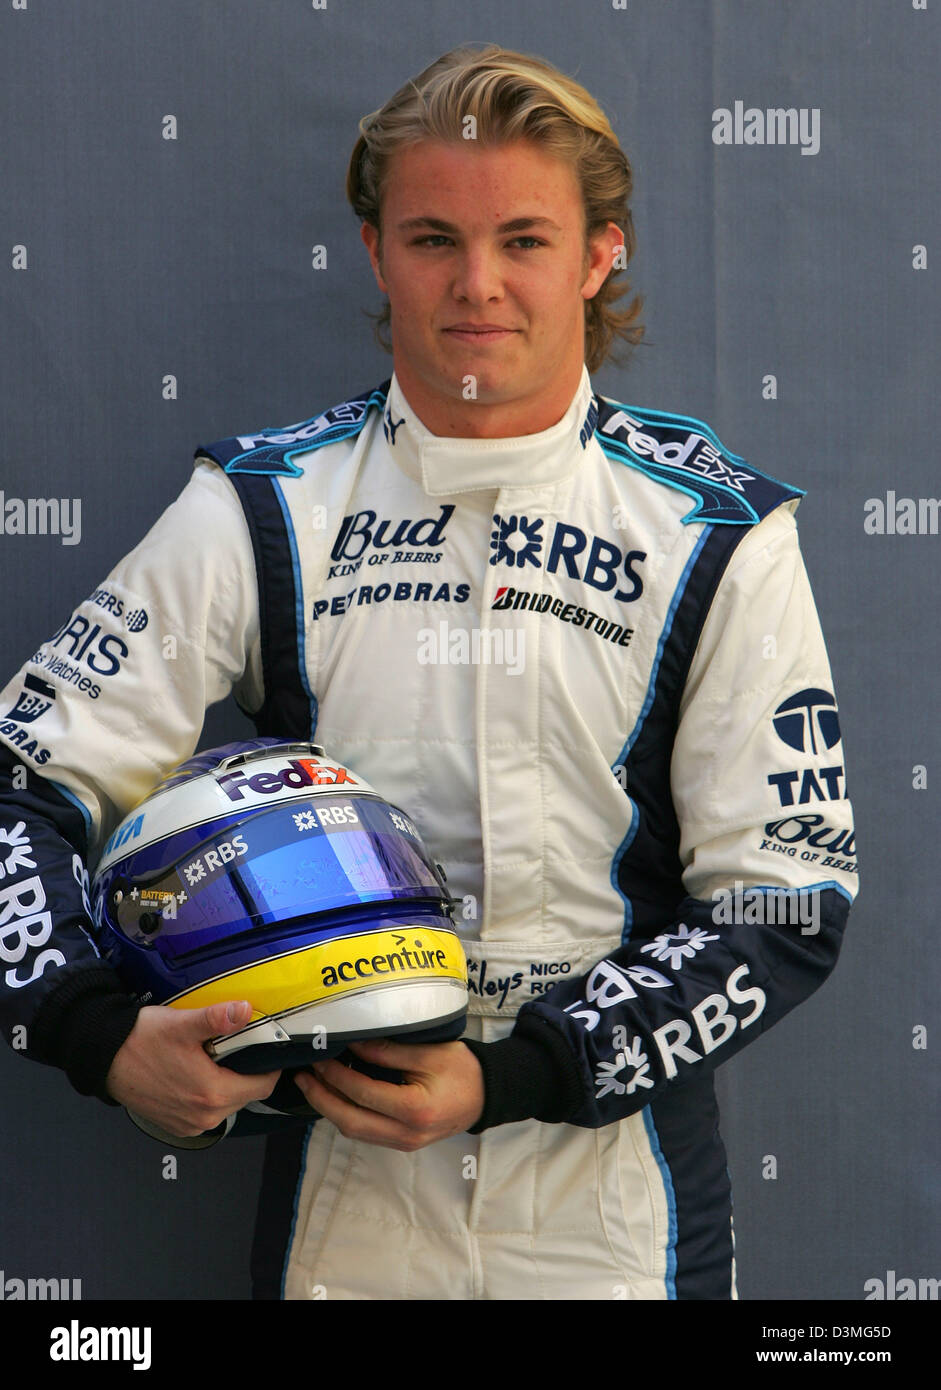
81,1027
529,1075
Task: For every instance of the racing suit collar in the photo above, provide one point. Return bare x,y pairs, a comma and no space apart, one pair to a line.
446,466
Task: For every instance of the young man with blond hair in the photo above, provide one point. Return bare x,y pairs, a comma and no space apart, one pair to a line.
600,805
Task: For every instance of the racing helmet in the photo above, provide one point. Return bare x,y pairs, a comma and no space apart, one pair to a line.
268,871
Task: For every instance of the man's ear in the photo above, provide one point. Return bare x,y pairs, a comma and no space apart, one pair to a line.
603,249
372,242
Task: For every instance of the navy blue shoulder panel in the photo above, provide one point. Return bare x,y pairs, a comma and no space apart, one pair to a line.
255,463
272,450
685,454
289,710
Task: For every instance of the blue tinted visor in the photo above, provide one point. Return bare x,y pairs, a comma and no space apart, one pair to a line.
321,861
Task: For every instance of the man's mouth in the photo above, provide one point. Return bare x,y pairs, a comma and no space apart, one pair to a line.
479,333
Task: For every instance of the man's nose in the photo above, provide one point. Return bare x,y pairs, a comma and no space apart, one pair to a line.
479,278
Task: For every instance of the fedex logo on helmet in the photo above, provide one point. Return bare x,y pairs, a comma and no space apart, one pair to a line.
299,773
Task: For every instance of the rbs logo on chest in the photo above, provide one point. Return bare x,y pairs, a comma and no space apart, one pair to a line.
518,541
603,566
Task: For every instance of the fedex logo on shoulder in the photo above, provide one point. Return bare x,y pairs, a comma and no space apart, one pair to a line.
694,454
349,413
299,773
294,434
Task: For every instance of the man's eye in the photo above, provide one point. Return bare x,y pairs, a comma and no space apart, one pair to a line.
438,238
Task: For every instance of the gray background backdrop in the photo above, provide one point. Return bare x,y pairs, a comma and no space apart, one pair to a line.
192,257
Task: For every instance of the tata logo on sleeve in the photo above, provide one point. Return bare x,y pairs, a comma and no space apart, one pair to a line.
808,721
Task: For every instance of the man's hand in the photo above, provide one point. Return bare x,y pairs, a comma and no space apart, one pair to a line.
164,1074
442,1093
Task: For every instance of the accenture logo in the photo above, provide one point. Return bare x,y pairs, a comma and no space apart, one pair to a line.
808,721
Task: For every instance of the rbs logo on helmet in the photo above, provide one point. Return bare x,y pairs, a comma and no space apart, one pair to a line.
299,773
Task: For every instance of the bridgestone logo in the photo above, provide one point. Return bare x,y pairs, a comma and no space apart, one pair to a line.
572,613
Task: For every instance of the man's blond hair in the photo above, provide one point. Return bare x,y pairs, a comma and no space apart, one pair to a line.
511,96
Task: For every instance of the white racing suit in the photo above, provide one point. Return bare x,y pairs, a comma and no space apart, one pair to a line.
588,663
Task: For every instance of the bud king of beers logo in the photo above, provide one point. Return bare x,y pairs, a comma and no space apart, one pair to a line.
300,775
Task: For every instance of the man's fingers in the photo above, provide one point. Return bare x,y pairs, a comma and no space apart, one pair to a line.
384,1097
257,1086
218,1020
351,1120
444,1094
164,1074
214,1098
396,1056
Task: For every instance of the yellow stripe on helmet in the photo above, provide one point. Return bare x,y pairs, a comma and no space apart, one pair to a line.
344,965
